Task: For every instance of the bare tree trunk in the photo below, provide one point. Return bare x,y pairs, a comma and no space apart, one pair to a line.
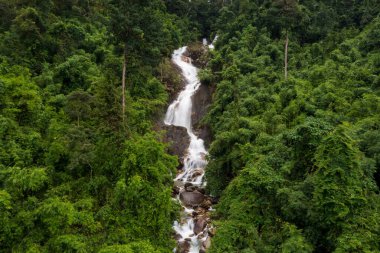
286,55
123,81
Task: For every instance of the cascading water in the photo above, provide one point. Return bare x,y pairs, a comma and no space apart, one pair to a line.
193,228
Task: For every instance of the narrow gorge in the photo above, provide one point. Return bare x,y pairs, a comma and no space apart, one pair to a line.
193,230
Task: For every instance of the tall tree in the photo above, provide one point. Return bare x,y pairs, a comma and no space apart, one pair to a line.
288,13
144,30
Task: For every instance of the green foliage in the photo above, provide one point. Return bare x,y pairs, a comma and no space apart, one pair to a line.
73,176
295,163
138,247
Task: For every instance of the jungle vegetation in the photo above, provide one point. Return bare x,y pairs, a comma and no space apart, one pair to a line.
296,125
295,121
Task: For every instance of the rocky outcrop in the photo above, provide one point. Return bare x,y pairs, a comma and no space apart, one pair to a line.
191,199
169,74
201,101
177,138
200,225
199,54
183,247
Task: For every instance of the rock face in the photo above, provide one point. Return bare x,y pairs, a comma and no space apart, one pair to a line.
199,225
199,54
171,77
178,138
191,199
201,101
184,247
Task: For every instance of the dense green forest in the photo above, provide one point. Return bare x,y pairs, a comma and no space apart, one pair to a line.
295,159
77,172
295,122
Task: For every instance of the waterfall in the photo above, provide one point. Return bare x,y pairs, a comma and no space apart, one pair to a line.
189,231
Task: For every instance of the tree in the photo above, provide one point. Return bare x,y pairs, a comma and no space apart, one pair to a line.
145,32
288,13
78,105
339,186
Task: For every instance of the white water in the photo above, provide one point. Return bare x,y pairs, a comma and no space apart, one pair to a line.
179,114
211,46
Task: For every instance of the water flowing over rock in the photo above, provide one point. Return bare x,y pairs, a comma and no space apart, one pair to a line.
192,229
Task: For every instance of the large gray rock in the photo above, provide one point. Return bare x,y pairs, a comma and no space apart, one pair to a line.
201,101
191,199
200,225
178,139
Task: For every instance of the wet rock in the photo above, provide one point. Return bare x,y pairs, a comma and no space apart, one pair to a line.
198,53
192,199
188,184
183,247
207,243
212,231
199,225
197,173
206,204
202,235
178,183
186,59
201,190
178,138
175,191
201,102
200,211
177,237
171,77
202,250
189,187
180,163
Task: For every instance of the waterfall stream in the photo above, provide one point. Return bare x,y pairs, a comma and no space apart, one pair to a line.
192,231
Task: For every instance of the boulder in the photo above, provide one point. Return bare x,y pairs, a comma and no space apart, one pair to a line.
201,101
191,199
175,191
212,231
206,204
197,173
200,225
188,184
202,190
189,187
183,247
178,183
207,243
177,237
178,138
